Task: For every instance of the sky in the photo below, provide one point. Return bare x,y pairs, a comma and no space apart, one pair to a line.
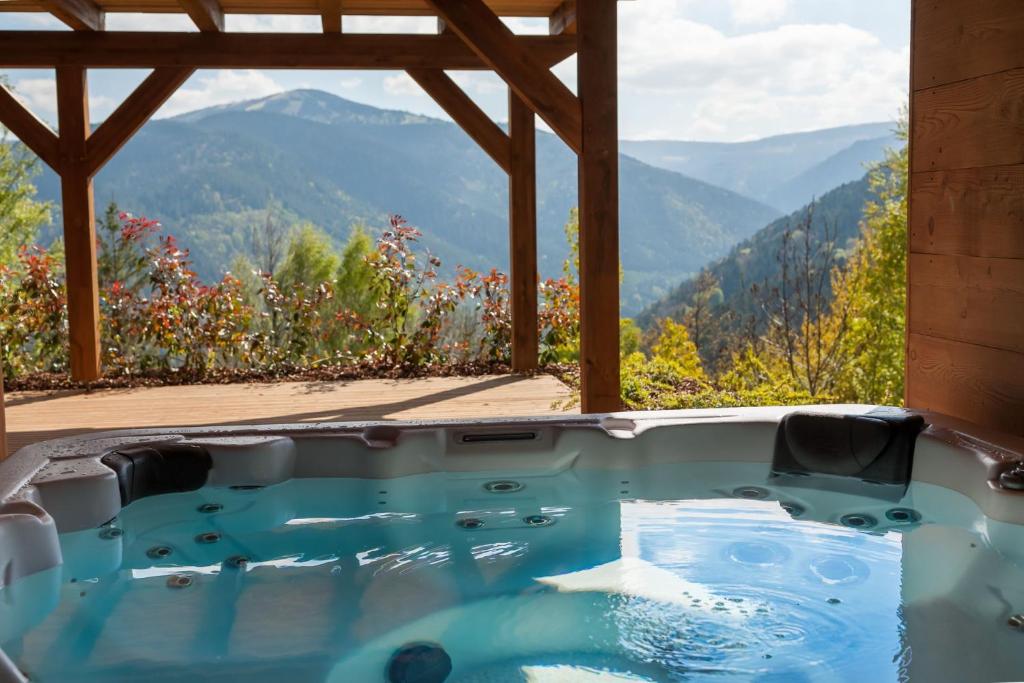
712,70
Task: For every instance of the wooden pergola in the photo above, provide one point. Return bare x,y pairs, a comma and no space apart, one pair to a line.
471,35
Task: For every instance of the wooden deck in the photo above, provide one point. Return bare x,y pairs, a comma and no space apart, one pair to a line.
38,416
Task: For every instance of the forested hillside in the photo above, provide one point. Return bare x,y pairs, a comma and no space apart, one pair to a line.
210,176
744,281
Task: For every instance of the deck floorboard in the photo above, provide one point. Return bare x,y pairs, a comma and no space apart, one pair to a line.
39,416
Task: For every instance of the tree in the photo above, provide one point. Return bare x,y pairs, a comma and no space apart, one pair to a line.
267,242
122,257
806,324
310,259
629,337
355,274
675,348
20,214
877,287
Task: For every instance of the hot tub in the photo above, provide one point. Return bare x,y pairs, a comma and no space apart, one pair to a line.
675,546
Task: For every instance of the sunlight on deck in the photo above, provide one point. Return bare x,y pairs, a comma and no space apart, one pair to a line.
38,416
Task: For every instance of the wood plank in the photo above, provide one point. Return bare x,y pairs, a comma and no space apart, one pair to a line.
330,15
968,124
81,15
528,76
959,39
137,108
599,208
465,112
563,19
508,8
38,416
207,15
522,216
974,383
79,224
32,132
968,299
973,212
142,49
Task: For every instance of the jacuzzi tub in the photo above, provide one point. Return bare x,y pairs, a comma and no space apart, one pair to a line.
633,547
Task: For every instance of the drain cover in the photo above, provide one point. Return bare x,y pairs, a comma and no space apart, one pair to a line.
504,486
750,492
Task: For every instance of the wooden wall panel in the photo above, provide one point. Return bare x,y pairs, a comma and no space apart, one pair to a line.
965,309
976,300
968,124
974,383
960,39
974,212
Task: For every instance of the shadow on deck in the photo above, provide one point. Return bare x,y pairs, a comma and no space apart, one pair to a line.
40,416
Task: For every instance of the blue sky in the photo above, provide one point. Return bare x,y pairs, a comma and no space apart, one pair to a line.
689,69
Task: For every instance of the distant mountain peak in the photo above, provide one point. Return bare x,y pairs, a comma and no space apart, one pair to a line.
312,105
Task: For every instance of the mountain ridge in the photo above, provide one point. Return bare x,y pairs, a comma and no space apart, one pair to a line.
209,174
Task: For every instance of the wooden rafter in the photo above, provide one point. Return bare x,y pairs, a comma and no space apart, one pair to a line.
81,15
143,49
137,108
450,97
563,19
528,76
207,15
330,15
32,132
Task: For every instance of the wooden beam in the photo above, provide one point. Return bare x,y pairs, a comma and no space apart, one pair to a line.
142,49
207,15
522,216
79,224
450,97
81,15
126,120
330,15
563,19
32,132
528,76
599,208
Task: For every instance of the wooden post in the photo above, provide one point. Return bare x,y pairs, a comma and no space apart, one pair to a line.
522,216
599,206
79,223
3,419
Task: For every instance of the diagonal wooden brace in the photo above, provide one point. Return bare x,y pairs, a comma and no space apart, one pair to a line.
450,97
32,132
496,45
144,101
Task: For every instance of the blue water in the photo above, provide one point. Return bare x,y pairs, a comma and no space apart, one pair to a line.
324,580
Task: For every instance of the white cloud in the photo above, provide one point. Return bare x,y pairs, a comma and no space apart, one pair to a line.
697,82
220,87
277,23
401,84
39,95
758,11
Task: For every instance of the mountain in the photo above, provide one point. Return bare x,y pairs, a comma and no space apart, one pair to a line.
208,176
755,259
784,171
